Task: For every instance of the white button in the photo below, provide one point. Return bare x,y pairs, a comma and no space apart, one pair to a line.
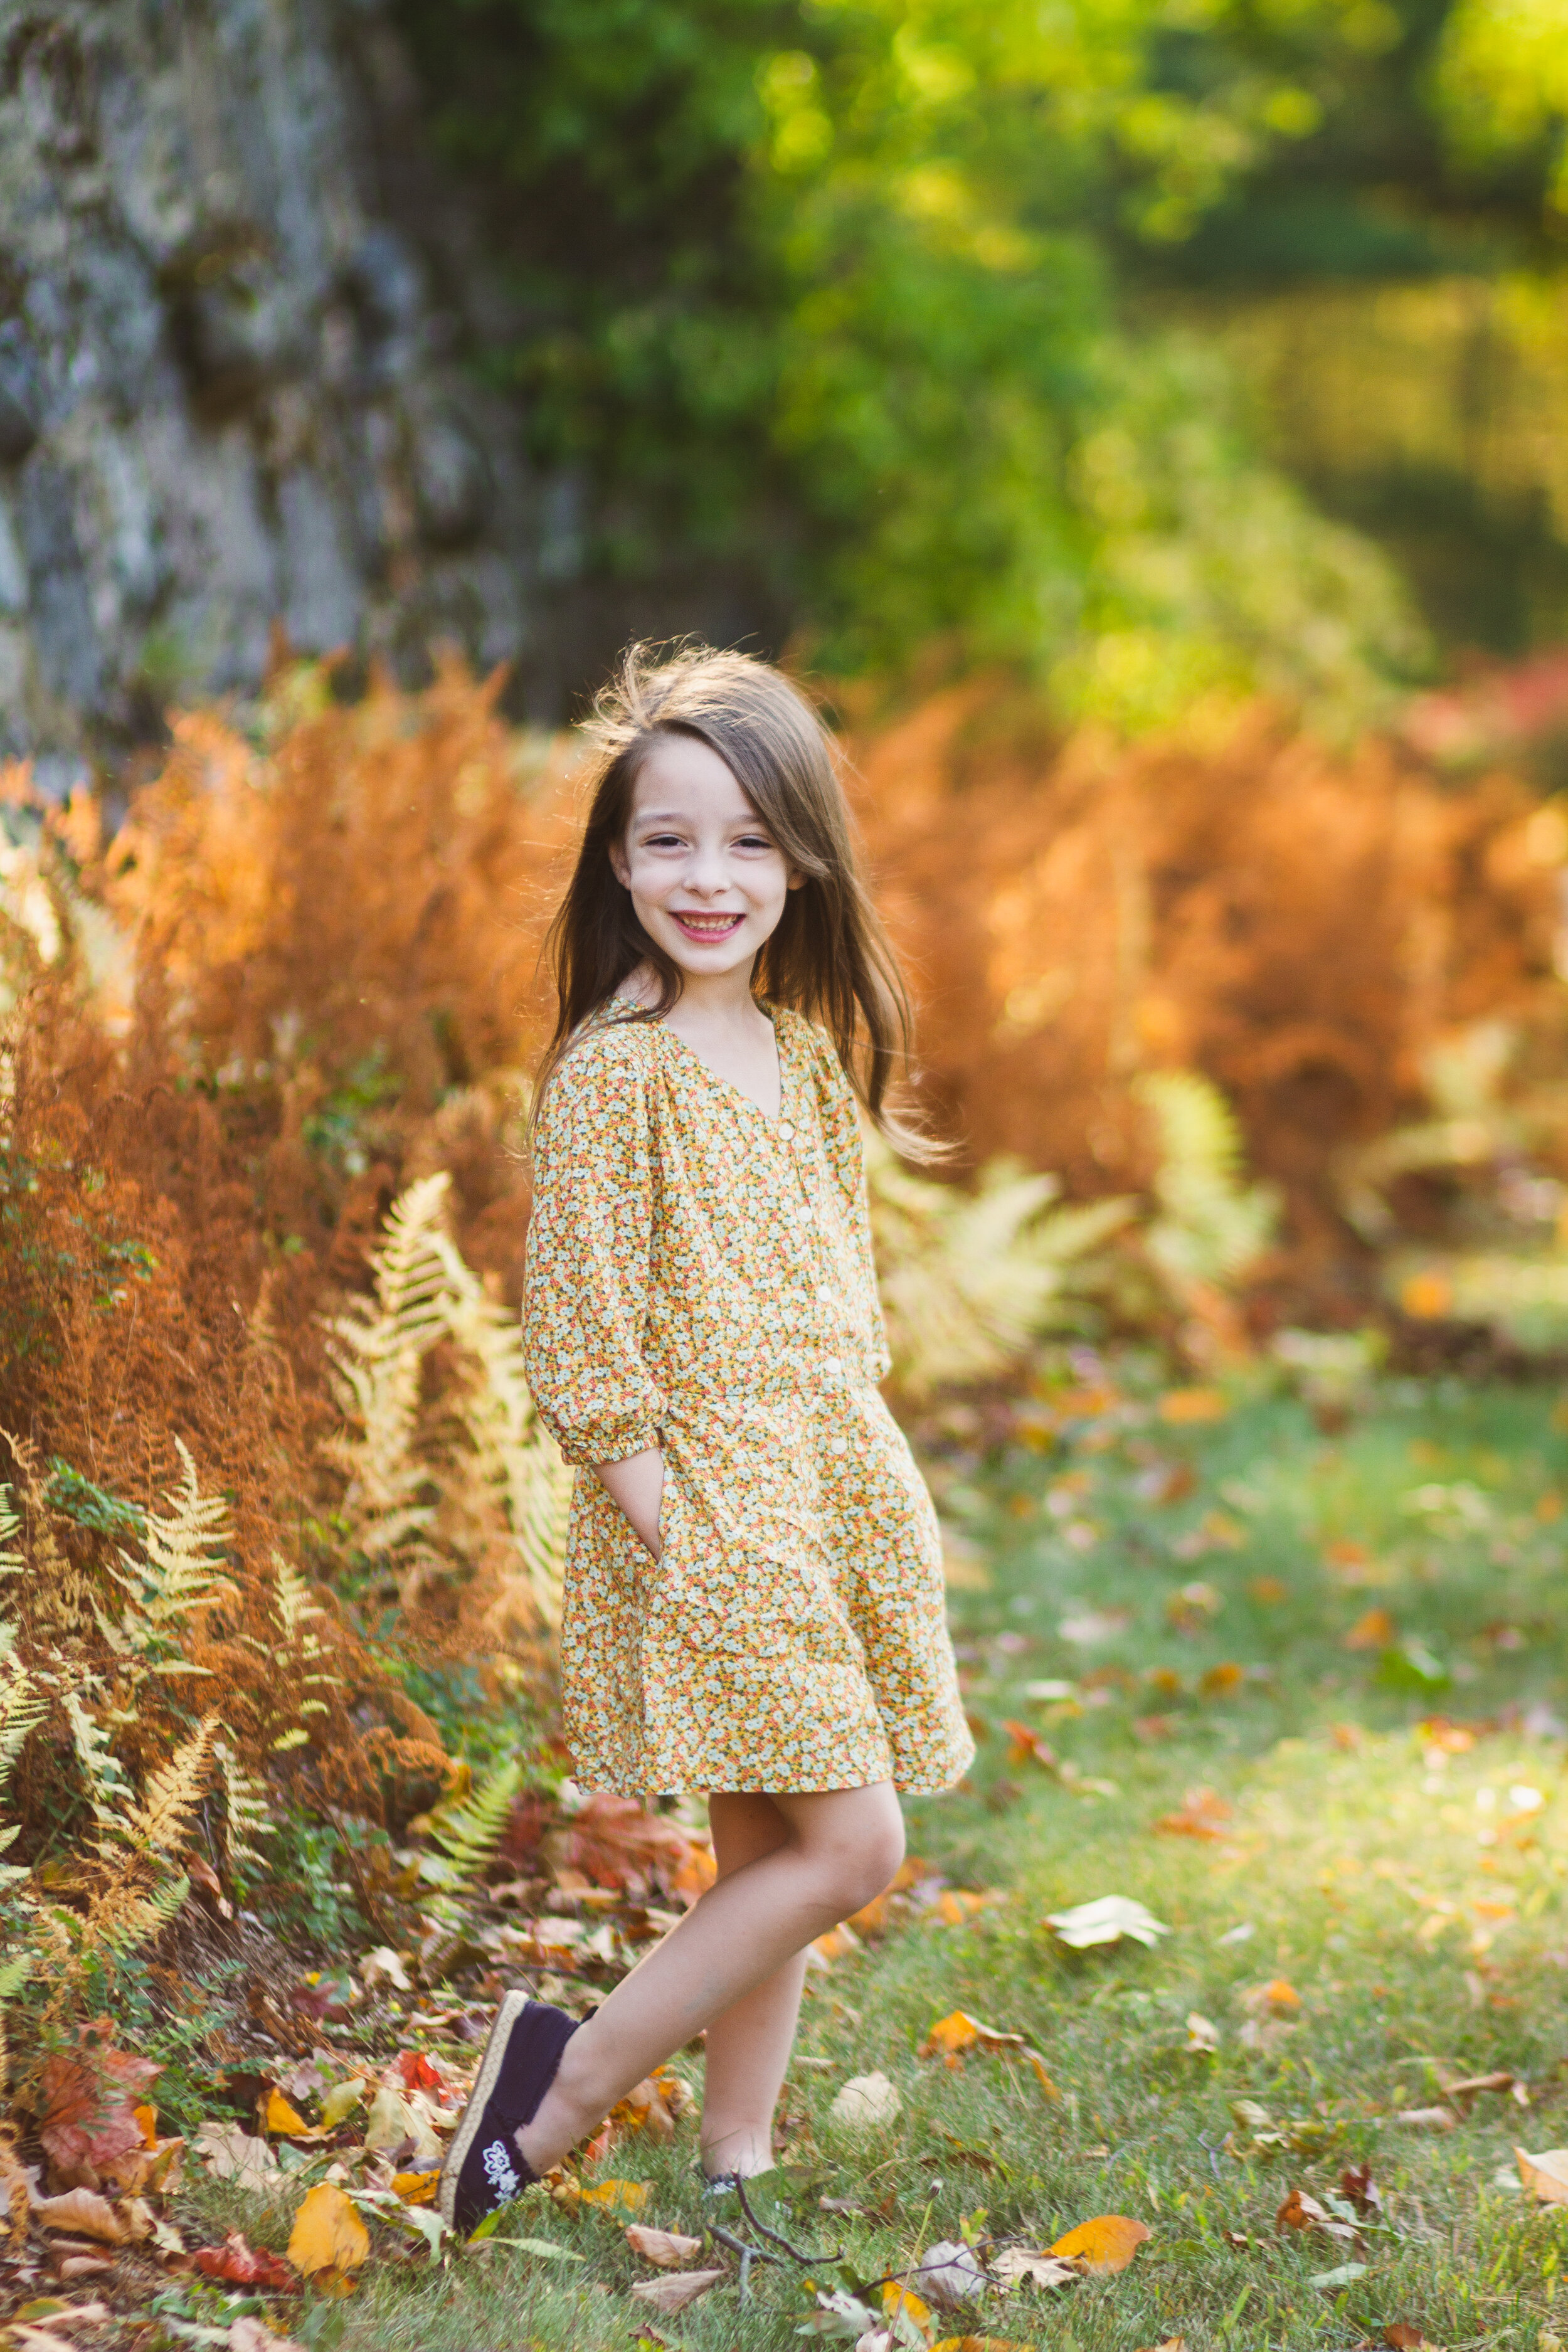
832,1366
803,1216
824,1292
786,1130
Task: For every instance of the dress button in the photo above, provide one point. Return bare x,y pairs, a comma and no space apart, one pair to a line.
824,1292
786,1130
832,1366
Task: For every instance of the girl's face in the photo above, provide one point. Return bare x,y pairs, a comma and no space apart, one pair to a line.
706,877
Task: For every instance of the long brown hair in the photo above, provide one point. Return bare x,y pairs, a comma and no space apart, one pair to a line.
829,958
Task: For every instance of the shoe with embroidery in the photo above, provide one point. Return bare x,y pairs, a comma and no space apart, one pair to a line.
484,2170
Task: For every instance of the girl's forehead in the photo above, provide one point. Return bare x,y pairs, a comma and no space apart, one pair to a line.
681,776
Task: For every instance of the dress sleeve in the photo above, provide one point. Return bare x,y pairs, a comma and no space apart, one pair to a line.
585,1282
839,1111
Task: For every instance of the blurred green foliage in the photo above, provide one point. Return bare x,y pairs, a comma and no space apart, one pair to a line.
841,305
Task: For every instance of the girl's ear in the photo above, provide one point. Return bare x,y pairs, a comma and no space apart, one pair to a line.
796,879
620,864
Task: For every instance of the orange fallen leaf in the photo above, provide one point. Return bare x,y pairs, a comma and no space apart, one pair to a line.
665,2248
415,2188
1545,2176
1103,2246
146,2120
1219,1682
1181,1407
1026,1747
1375,1631
1203,1813
16,2190
837,1944
329,2242
958,2031
1403,2335
1278,1998
956,1906
1427,1297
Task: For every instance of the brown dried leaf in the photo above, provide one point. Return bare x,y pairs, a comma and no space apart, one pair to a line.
667,2295
87,2215
1438,2119
1203,1813
90,2097
665,2248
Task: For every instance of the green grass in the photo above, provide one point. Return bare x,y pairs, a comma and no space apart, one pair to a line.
1414,1908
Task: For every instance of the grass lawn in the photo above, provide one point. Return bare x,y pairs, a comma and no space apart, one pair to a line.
1354,1641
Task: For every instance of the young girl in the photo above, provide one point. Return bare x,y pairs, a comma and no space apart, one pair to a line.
754,1601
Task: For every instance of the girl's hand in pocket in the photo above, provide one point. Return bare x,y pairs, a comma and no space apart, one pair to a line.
636,1484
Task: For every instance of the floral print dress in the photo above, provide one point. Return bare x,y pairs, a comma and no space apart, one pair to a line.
700,1277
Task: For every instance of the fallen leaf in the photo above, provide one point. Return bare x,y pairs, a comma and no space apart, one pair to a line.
949,2276
329,2242
1189,1607
1101,2247
670,2294
1403,2335
1203,1813
1090,1626
900,2303
1375,1631
1203,2036
613,1843
284,2122
85,2214
245,2265
340,2101
1278,1998
1219,1682
1437,2119
251,2335
1183,1407
958,2031
1358,2188
1343,2275
1546,2176
69,2268
1472,2084
384,1967
865,2102
1300,2212
629,2196
88,2124
1026,1747
16,2190
231,2154
837,1944
415,2188
1105,1921
665,2248
1016,2266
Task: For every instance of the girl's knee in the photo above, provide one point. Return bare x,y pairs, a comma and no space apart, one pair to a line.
861,1860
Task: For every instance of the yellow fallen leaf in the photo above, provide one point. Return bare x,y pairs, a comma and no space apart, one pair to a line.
665,2248
1546,2176
628,2196
981,2344
415,2188
1103,2246
897,2299
329,2242
1046,2086
958,2031
146,2120
1375,1631
340,2101
283,2121
837,1944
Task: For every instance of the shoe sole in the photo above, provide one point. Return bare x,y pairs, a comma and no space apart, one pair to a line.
467,2131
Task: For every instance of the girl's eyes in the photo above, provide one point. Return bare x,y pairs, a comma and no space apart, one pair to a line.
677,841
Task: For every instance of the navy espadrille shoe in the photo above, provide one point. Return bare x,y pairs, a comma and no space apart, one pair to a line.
483,2170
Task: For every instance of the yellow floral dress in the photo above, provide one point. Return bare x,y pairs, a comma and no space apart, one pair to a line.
700,1277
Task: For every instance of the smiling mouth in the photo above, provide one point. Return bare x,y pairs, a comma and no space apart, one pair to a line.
708,926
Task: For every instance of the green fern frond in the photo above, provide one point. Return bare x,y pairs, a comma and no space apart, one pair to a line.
969,1278
109,1791
469,1829
21,1707
1210,1227
11,1562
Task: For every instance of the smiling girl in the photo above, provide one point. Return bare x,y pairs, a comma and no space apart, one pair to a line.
754,1600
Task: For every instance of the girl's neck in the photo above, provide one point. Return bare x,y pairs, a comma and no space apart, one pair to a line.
724,1026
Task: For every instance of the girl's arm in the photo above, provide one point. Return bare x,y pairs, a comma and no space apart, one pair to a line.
637,1486
585,1284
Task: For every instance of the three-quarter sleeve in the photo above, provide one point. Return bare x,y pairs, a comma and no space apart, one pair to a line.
585,1284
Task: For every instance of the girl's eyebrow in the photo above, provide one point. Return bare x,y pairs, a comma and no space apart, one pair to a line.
674,816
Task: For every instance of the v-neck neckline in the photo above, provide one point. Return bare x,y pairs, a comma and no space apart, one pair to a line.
716,1079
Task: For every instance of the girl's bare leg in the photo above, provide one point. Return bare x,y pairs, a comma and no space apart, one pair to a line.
841,1848
749,2043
